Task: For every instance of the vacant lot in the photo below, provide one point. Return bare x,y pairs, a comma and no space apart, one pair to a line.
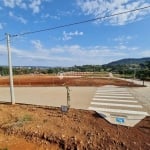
30,127
46,80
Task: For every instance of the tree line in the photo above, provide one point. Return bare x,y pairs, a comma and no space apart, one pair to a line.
140,71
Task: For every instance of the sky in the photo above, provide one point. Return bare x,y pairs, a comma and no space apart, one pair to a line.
93,43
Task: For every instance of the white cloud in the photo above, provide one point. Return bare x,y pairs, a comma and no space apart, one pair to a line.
70,35
123,38
37,44
11,14
145,53
65,13
121,47
9,3
68,55
1,26
22,20
14,3
100,8
35,6
45,16
3,49
18,18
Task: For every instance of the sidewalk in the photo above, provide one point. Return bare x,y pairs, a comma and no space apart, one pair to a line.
140,82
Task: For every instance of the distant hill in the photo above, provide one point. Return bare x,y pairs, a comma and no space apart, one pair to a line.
129,61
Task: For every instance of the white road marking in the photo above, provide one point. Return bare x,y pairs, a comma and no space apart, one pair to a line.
110,100
128,94
115,100
106,91
112,90
119,111
113,104
109,96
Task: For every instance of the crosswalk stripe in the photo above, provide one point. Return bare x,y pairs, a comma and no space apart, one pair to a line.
109,96
114,100
112,90
119,111
114,104
121,91
100,93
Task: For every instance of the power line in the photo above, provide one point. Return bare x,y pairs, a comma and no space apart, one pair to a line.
80,22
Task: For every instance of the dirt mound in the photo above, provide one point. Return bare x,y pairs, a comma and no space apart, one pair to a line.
32,127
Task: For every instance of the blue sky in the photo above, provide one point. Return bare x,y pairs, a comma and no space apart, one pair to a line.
99,42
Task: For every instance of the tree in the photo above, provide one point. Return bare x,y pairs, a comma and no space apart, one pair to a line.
4,71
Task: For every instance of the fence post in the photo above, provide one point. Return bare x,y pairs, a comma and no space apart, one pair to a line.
68,96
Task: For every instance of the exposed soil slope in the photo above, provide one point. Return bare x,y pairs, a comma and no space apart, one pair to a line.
30,127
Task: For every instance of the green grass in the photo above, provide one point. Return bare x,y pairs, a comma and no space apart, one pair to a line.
25,118
22,120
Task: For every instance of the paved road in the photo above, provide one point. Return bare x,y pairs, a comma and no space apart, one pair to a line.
109,101
141,93
113,101
143,96
50,96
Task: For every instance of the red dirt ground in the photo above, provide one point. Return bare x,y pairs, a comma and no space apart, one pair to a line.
30,127
35,128
46,80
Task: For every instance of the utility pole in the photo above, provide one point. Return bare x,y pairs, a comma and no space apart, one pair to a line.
10,70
